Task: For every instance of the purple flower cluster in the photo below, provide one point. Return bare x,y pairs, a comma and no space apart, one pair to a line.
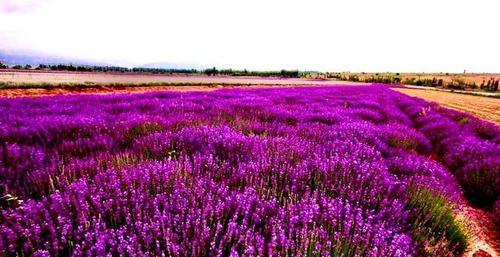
469,147
257,172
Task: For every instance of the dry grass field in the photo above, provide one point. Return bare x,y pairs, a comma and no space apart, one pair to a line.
37,83
37,77
477,78
483,107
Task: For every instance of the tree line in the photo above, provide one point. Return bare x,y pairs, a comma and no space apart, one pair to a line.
210,72
230,72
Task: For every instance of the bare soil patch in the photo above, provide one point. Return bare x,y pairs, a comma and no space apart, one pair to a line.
485,240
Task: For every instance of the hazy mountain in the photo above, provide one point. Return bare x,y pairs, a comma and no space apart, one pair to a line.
171,65
13,58
34,59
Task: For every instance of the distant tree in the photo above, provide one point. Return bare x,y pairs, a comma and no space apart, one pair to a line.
71,67
3,66
211,72
354,78
495,86
27,66
289,74
492,85
434,82
17,67
41,67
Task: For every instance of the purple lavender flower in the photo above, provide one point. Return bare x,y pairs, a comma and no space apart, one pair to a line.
262,172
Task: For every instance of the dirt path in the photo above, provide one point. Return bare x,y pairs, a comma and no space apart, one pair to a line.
483,107
484,239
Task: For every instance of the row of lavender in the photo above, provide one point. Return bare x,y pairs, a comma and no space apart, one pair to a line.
342,171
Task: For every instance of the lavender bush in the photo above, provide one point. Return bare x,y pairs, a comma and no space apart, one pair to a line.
333,171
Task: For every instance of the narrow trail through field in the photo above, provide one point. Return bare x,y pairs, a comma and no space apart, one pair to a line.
485,240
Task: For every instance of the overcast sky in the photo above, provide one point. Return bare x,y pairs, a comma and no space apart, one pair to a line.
355,35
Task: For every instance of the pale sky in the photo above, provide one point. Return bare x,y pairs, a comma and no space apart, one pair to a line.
356,35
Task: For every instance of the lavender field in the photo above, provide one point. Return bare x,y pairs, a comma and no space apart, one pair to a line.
323,171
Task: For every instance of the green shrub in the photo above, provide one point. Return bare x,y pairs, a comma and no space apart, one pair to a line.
435,225
141,129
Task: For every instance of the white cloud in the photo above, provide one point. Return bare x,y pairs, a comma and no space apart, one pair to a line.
17,6
322,35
